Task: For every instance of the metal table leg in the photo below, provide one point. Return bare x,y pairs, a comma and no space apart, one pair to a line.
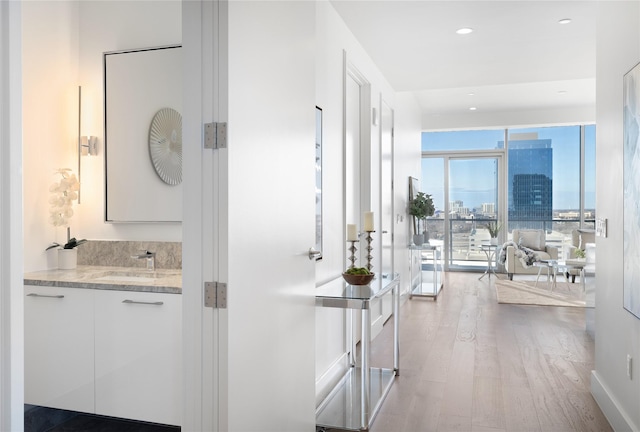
365,380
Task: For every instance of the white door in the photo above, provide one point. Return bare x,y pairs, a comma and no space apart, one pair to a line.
386,187
386,200
201,409
249,218
11,264
352,144
353,193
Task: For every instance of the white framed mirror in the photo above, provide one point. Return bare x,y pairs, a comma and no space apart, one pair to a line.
143,134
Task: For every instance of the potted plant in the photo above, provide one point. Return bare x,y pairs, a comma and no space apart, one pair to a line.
494,228
421,207
62,195
67,253
72,243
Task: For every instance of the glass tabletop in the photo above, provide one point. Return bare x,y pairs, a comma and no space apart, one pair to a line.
546,263
339,289
569,264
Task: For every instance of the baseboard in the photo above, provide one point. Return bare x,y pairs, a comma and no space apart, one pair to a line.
376,326
617,417
327,381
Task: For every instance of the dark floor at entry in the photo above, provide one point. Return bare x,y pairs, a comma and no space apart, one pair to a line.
41,419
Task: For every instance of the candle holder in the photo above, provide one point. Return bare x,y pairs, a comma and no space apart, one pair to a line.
353,250
369,249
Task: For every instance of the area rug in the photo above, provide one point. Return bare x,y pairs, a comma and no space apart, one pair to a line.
524,292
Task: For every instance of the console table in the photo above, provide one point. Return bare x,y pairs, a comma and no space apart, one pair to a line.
356,399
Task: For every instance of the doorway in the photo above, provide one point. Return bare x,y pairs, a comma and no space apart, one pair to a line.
467,193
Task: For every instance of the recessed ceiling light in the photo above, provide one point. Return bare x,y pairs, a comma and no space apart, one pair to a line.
564,21
471,94
472,109
464,31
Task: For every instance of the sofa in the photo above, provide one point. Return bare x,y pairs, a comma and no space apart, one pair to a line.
531,239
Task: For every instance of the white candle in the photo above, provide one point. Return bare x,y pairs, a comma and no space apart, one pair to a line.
352,232
368,221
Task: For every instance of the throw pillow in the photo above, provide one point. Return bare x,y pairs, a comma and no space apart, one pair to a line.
532,239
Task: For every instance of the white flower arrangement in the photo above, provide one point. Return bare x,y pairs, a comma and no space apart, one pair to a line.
63,193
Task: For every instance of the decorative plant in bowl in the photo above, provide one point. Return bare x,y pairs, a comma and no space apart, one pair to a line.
494,229
579,253
421,207
358,276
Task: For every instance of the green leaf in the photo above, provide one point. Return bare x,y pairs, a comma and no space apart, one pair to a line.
52,245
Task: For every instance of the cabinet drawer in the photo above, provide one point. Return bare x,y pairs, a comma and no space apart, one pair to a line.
138,355
58,337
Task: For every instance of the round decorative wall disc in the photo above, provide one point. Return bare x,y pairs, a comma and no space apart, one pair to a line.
165,145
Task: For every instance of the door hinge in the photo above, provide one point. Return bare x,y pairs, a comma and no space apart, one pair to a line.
215,295
215,135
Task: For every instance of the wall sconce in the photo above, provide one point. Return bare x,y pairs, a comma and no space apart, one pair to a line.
89,145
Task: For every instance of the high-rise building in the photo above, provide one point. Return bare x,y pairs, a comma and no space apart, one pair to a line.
530,179
488,209
531,197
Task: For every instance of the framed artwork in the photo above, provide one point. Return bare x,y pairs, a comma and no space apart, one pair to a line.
631,191
414,188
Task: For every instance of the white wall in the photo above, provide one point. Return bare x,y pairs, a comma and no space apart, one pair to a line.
50,80
333,39
408,154
63,46
617,331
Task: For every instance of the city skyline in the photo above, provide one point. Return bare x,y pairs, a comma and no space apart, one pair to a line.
474,182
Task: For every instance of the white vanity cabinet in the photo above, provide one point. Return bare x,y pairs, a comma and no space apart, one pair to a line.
138,355
58,344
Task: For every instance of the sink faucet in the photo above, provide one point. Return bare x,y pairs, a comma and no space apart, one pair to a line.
150,257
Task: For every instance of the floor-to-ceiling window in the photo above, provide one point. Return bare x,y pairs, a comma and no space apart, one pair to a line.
544,179
547,182
462,171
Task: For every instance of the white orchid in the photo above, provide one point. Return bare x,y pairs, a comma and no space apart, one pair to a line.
63,193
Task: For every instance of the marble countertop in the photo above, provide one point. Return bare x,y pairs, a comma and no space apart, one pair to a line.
109,278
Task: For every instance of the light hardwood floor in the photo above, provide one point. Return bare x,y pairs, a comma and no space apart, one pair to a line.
470,364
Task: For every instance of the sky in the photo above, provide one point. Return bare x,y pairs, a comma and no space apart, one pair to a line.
474,181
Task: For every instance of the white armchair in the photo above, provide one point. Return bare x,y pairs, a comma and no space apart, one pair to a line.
532,239
580,239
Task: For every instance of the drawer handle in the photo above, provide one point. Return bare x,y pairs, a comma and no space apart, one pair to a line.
45,295
157,303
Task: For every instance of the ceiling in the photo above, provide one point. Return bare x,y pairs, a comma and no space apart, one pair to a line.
517,58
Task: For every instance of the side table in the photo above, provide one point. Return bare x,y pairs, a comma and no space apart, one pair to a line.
551,266
425,283
565,266
490,251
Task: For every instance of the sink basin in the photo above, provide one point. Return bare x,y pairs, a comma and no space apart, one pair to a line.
122,278
127,276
